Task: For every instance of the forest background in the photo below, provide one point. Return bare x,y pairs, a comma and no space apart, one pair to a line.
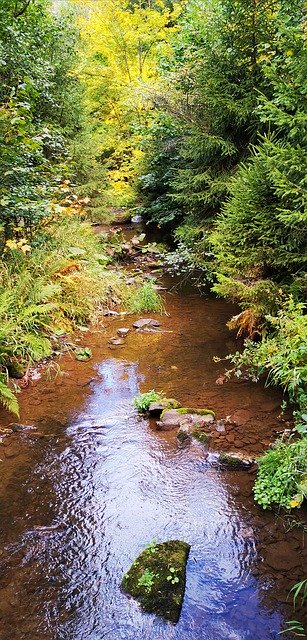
191,114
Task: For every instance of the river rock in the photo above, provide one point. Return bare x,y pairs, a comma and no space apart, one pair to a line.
182,417
219,426
111,313
170,420
183,434
123,332
146,322
116,341
156,408
236,459
157,578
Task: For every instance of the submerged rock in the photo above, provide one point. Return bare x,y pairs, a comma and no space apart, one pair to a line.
146,322
116,341
157,578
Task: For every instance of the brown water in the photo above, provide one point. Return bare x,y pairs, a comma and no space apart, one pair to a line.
83,494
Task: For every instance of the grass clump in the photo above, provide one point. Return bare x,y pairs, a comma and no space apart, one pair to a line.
146,299
282,475
144,400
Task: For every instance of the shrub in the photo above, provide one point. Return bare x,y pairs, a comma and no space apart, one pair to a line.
282,475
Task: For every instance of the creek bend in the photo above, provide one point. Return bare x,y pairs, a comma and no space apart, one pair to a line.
83,494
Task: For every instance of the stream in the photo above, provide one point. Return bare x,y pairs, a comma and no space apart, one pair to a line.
84,491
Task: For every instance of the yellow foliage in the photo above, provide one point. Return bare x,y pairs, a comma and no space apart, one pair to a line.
118,65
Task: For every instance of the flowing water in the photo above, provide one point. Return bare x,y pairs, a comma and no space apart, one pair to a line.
93,484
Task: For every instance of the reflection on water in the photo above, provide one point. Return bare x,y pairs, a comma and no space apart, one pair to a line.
116,486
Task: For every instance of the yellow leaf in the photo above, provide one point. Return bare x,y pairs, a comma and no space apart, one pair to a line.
11,244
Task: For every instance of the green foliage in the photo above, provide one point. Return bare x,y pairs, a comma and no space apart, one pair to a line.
39,106
146,580
281,356
144,400
282,475
209,95
7,396
172,577
152,546
146,299
299,590
46,292
261,234
83,354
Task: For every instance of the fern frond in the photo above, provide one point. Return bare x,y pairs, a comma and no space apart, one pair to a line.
8,398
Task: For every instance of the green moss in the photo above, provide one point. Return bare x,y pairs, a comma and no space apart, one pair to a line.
201,435
171,403
228,459
150,579
198,412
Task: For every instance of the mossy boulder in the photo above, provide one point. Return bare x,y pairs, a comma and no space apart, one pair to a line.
156,408
157,578
236,459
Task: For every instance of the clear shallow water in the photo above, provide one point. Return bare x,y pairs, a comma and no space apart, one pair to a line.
84,496
116,485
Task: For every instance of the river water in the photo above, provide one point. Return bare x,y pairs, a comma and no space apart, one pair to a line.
92,484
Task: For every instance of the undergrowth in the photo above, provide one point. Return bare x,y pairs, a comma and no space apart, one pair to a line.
282,475
281,356
61,283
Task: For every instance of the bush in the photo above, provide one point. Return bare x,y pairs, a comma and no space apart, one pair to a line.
282,475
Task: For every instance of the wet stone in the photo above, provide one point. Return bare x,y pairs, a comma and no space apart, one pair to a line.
117,342
170,420
236,459
111,313
157,578
12,451
280,557
219,426
146,322
123,332
156,408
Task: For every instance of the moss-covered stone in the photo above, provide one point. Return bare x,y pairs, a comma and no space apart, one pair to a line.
236,459
157,408
200,435
157,578
197,412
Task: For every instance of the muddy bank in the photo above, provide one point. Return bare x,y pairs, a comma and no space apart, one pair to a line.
85,490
